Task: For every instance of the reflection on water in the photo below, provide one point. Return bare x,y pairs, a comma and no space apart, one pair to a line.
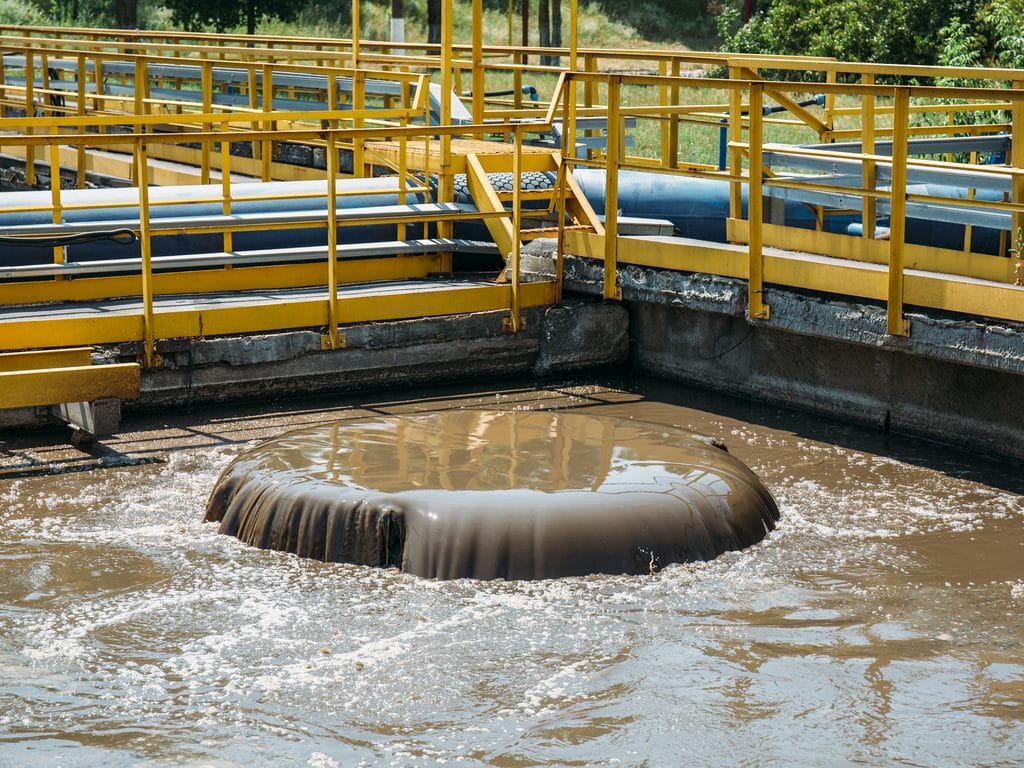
881,623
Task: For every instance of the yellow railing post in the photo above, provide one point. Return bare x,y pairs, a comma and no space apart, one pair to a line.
206,84
55,202
478,61
564,168
735,152
266,149
358,104
356,34
225,183
867,147
573,37
757,309
896,324
517,224
445,179
145,247
30,111
611,192
141,86
1017,186
830,106
673,120
44,81
3,89
332,239
80,69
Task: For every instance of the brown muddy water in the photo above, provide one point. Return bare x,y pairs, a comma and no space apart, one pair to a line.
882,622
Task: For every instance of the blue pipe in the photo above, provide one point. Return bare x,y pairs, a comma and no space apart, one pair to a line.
723,132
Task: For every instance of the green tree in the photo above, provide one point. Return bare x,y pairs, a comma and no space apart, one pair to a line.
895,32
220,15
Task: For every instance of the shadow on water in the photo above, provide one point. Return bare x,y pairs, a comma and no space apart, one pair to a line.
148,436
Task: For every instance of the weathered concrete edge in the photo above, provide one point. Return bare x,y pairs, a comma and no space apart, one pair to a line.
998,345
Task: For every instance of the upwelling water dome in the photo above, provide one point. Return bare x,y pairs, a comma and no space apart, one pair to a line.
494,494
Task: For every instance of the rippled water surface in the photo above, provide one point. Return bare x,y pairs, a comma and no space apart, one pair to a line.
881,623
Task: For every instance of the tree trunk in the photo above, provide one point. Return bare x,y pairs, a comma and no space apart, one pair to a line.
126,14
397,24
434,21
524,59
748,10
250,17
544,28
556,29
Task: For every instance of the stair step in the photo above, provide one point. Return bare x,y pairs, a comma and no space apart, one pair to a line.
379,213
247,258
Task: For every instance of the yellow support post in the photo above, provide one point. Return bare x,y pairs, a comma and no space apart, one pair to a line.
225,185
80,69
478,61
1017,185
356,34
44,81
896,324
55,202
445,179
867,147
30,111
757,309
573,38
735,153
565,168
206,84
358,104
99,103
673,120
146,248
830,106
611,191
332,239
266,153
141,86
517,225
253,94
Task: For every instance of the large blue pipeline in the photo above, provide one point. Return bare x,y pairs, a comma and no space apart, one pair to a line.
697,208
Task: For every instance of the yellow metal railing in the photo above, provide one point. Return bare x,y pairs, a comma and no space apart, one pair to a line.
992,287
215,133
858,105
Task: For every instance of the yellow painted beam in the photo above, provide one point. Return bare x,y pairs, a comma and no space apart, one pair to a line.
925,258
50,358
813,273
43,332
487,200
52,386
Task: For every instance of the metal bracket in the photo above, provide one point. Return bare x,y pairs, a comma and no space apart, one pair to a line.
325,342
508,326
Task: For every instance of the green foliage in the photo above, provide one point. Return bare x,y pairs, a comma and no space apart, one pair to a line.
85,13
221,15
21,12
896,32
993,37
